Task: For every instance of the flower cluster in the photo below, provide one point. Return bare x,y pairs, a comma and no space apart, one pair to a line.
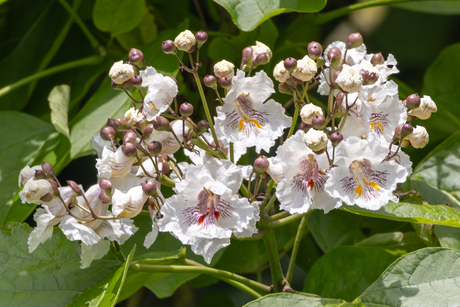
347,152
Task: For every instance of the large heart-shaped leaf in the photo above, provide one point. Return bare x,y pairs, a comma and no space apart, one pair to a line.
288,299
118,17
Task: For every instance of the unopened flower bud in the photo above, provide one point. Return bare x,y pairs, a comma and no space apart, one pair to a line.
160,123
418,138
318,122
55,187
118,87
154,148
306,69
119,73
48,169
129,137
261,59
75,187
120,124
350,78
424,110
354,40
334,79
377,59
225,82
405,144
47,197
128,83
338,100
315,140
261,48
186,109
309,111
185,41
402,131
336,138
210,81
247,55
335,57
165,168
261,165
191,49
136,81
280,73
285,88
201,37
105,184
412,101
213,145
107,133
105,196
202,127
320,61
39,174
147,131
168,47
149,188
369,77
136,57
314,50
224,68
34,190
290,64
129,149
303,126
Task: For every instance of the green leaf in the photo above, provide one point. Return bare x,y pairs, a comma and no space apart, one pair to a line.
118,17
396,243
248,14
107,291
59,99
431,194
414,213
347,271
51,275
27,139
433,7
143,34
296,300
426,277
335,228
448,236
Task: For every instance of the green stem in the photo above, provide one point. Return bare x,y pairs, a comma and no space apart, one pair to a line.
92,60
287,220
295,249
80,23
274,260
277,216
270,203
296,115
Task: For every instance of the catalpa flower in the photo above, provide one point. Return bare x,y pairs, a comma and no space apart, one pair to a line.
361,178
245,118
207,210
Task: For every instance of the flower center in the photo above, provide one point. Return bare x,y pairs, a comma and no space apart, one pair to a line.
310,176
378,122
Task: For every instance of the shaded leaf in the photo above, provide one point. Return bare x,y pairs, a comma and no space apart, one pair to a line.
119,17
59,99
396,243
448,236
433,7
295,300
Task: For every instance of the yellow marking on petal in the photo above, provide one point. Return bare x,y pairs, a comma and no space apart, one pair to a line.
254,121
153,105
370,99
373,184
359,190
240,125
378,124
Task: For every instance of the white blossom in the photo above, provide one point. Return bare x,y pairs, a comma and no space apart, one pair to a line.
27,173
34,190
185,40
424,110
133,116
316,140
120,73
280,73
309,111
306,69
350,78
223,69
128,204
260,48
113,164
418,138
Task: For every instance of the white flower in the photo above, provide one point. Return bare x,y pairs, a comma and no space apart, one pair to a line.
185,40
418,138
354,56
34,190
350,79
260,48
113,164
303,177
207,210
134,116
316,140
27,173
280,73
361,178
119,73
245,118
424,110
306,69
128,204
309,111
160,93
224,68
152,235
167,139
99,144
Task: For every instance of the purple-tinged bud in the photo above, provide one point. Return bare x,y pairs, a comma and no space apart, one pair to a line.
285,88
318,122
118,87
120,124
213,145
136,57
354,40
129,149
168,47
186,109
201,38
405,143
147,131
402,131
303,126
55,187
136,81
261,165
320,61
369,77
247,55
202,127
160,123
39,174
412,101
225,82
336,138
377,59
210,81
110,122
334,78
105,197
338,100
290,64
128,83
48,169
75,187
335,56
47,197
261,59
314,50
149,188
165,168
105,184
191,49
154,148
129,137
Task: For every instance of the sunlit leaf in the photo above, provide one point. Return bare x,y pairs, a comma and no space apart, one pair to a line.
396,243
59,99
288,299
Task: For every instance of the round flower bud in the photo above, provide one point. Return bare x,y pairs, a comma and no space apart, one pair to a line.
48,169
210,81
118,87
185,41
309,111
201,37
335,56
369,77
334,79
75,187
424,110
147,131
128,83
129,149
247,55
129,137
160,123
105,184
318,122
154,148
136,57
315,140
136,81
149,188
377,59
354,40
165,168
48,197
306,69
224,69
285,88
261,59
336,138
191,49
186,109
402,130
261,165
290,64
201,127
338,100
105,197
314,50
133,116
320,61
119,73
34,190
261,48
120,124
303,126
39,174
280,73
350,79
412,101
225,82
418,138
168,47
